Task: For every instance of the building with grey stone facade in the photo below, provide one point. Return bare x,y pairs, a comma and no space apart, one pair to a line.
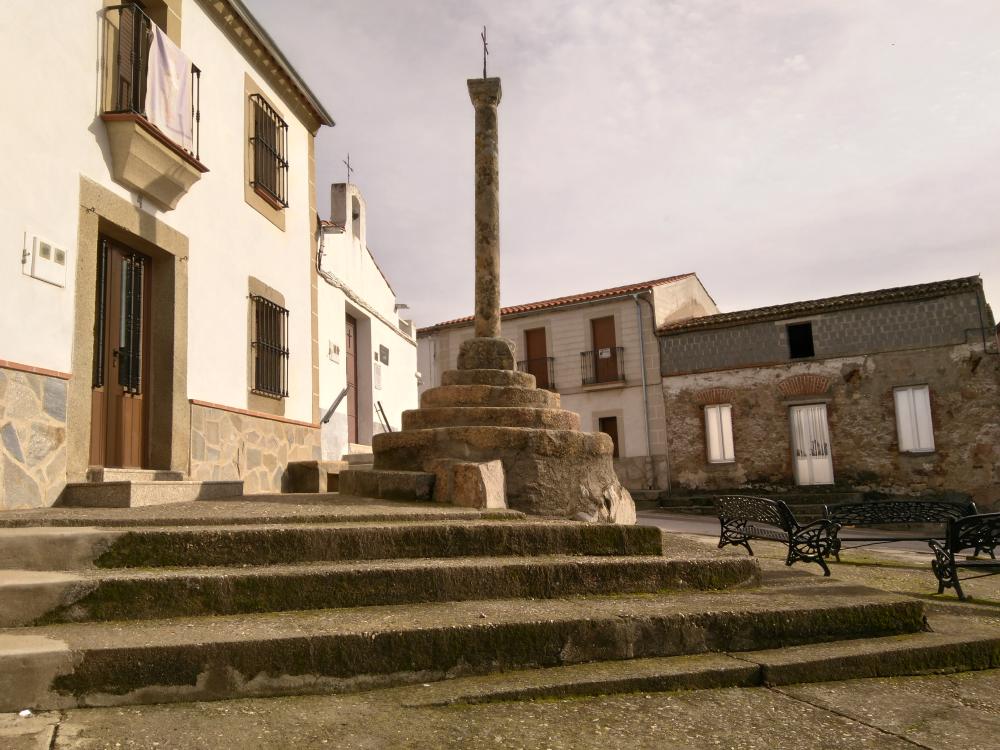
895,391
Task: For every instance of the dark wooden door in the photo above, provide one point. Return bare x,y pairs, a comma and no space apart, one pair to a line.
609,425
605,355
351,358
121,358
536,356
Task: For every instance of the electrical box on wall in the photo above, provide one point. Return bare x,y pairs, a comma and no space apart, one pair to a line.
377,377
333,352
45,261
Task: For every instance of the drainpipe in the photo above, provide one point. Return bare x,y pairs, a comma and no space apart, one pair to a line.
645,385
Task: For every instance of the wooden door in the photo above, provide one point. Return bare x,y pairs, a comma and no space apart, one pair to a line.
350,357
605,355
811,453
609,426
536,356
120,400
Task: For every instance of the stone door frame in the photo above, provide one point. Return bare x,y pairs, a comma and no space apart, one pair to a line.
104,212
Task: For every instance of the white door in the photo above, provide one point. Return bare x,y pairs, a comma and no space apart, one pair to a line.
813,459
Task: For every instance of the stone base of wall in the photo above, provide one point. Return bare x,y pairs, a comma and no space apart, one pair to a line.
256,449
32,439
642,472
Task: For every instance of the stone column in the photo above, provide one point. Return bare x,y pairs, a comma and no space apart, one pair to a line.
485,93
487,350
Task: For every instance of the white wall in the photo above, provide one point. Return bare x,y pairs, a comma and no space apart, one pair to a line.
59,137
352,284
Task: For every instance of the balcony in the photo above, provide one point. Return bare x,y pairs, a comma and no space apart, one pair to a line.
542,369
605,365
153,121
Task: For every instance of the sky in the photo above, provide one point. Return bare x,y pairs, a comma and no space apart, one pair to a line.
781,149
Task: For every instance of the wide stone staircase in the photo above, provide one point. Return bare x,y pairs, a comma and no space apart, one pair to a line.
215,600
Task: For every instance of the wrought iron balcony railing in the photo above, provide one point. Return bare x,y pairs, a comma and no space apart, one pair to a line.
606,365
542,369
128,34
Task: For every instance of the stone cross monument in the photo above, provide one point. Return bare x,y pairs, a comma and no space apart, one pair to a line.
487,351
487,436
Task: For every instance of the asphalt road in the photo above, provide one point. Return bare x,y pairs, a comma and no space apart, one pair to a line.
683,523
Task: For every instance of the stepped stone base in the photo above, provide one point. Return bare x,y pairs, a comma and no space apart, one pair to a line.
548,472
480,415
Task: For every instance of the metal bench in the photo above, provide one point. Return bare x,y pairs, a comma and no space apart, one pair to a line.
743,517
978,532
889,513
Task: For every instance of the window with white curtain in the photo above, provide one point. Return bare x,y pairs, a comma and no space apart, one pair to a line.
913,419
719,433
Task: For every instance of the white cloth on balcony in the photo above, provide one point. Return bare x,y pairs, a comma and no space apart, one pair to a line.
168,90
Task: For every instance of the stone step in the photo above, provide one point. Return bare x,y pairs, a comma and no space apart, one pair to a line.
203,658
499,416
36,597
387,485
74,549
314,476
110,474
136,494
357,448
957,644
359,460
488,395
502,378
258,510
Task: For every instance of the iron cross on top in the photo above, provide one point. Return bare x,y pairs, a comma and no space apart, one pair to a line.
486,50
350,169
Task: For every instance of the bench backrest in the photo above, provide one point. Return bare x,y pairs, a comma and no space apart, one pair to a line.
756,509
980,531
898,511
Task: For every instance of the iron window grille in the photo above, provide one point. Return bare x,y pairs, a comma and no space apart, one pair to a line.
542,368
606,365
128,34
270,149
269,345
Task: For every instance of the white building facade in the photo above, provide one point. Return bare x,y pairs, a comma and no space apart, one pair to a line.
368,358
160,279
599,351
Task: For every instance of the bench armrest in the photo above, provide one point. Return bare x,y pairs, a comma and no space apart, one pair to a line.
817,537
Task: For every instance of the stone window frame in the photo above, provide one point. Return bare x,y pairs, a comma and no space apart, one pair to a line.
912,389
257,199
731,459
256,400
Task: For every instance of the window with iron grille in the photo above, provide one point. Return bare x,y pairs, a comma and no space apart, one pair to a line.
269,345
270,148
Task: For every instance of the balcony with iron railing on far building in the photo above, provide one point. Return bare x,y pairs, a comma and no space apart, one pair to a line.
150,105
542,368
605,365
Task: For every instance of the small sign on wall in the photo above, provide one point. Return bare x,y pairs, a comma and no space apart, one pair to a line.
383,354
377,377
604,353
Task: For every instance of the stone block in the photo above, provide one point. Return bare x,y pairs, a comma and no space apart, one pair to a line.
11,443
478,485
486,354
54,399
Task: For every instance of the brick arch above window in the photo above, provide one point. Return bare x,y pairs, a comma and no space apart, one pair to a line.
711,396
808,384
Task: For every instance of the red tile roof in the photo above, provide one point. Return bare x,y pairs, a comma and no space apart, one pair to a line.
826,304
573,299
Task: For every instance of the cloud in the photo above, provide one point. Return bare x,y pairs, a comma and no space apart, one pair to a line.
782,150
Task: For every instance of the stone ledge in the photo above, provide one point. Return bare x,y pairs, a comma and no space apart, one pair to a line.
488,395
387,485
508,378
495,416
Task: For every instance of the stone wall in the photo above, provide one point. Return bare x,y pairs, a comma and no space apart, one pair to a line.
642,472
965,407
32,439
232,445
922,323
